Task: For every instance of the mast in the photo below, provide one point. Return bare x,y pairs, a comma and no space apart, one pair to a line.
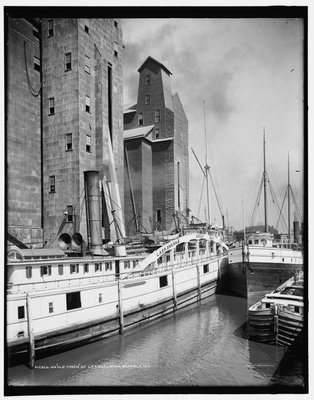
288,198
265,182
206,172
244,235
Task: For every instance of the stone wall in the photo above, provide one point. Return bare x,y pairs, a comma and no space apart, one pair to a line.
95,46
23,133
181,156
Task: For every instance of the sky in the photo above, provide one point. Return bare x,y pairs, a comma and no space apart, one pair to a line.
244,76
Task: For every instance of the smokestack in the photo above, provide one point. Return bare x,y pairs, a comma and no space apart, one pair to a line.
92,199
296,232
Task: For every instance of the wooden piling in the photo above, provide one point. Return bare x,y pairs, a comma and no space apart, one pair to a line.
174,292
276,323
120,303
198,283
30,332
219,271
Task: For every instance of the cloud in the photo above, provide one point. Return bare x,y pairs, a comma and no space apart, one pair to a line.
242,69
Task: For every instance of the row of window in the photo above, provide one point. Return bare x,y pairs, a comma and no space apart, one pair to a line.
157,120
69,142
51,105
86,27
67,63
75,268
86,30
141,119
68,55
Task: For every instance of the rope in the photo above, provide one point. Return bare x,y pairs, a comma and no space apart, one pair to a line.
199,204
256,203
280,209
280,213
296,206
126,215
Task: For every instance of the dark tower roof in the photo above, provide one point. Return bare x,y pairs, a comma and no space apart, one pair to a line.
151,59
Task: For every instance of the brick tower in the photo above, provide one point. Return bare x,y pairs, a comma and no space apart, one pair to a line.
156,152
64,107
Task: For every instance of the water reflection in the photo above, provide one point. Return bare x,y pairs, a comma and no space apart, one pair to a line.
202,345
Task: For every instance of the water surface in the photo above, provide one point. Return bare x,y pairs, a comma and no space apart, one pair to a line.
203,345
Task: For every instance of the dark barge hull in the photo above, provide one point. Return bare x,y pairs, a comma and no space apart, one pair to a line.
261,326
290,328
250,279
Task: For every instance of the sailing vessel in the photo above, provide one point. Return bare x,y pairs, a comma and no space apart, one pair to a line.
279,316
55,300
260,263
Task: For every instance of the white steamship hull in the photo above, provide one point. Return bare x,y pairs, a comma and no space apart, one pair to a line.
62,311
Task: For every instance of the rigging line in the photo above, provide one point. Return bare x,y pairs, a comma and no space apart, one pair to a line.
280,214
54,239
199,205
272,191
126,214
256,203
296,205
270,163
217,197
205,133
33,91
259,214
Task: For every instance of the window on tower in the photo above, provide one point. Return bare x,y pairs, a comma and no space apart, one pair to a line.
140,119
52,183
86,26
69,213
87,104
157,116
50,27
36,64
147,80
88,144
158,215
87,64
147,99
68,61
36,33
116,49
51,102
68,142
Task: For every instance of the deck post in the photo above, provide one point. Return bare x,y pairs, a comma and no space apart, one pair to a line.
120,303
30,332
174,291
186,251
198,283
173,281
197,249
219,271
276,323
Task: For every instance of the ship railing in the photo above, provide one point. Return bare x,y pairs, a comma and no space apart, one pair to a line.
166,267
286,245
41,286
